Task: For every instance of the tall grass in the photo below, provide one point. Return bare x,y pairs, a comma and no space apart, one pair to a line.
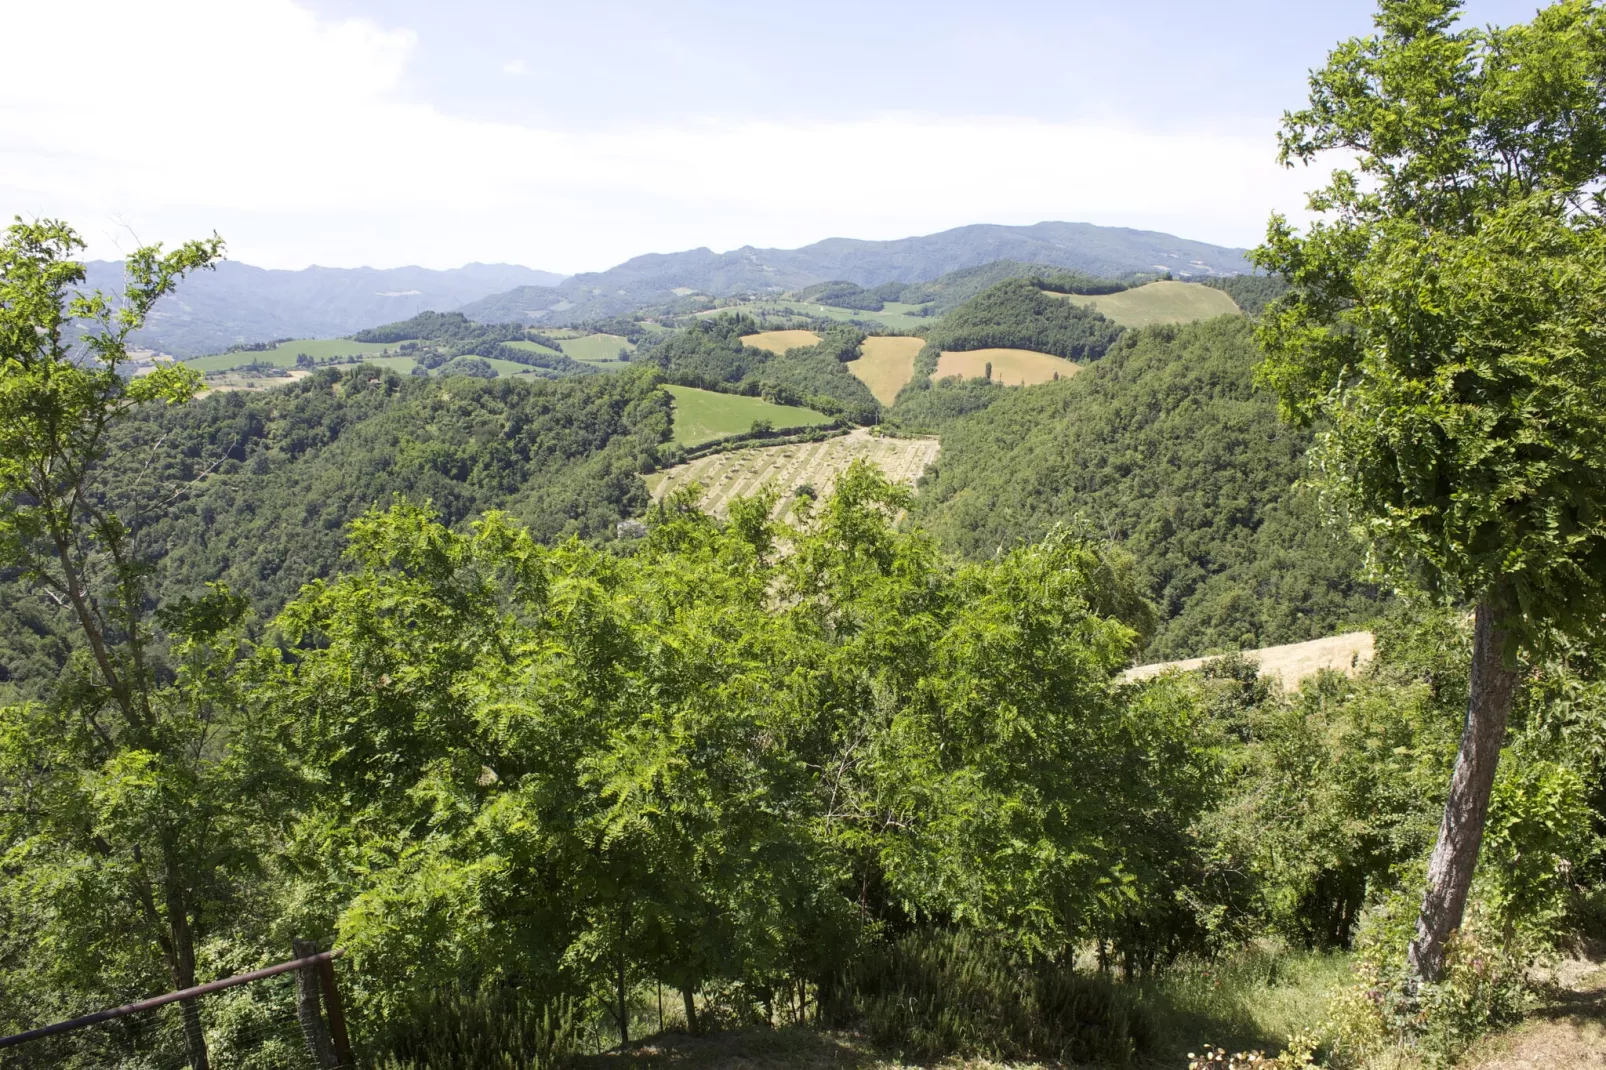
491,1029
1254,998
930,994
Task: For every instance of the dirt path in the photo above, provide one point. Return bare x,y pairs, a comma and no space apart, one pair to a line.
1569,1030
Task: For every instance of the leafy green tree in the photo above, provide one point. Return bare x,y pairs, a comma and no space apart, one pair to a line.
1443,331
120,804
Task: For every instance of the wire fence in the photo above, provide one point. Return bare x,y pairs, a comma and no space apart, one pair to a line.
285,1017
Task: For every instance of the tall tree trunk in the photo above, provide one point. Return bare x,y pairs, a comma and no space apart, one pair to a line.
183,944
1455,857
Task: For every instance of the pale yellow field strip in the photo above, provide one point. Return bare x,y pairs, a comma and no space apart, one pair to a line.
745,472
1289,664
886,365
1167,301
780,341
1011,367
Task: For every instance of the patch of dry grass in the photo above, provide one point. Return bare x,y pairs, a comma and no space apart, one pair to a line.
1160,302
886,365
780,341
1011,367
1289,663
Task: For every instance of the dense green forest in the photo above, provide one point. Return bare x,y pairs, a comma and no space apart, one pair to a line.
370,659
709,354
1018,314
1165,446
259,487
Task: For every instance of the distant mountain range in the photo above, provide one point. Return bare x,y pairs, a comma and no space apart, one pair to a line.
239,303
214,310
660,277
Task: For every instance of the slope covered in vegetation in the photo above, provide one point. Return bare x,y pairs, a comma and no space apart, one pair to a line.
1166,446
257,489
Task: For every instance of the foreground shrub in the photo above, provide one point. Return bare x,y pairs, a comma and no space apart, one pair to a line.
941,993
491,1029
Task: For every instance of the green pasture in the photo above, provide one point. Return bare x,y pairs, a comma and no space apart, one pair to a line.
703,415
284,355
596,348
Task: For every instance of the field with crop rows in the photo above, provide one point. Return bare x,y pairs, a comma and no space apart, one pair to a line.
704,415
1011,367
1160,302
780,341
741,472
887,365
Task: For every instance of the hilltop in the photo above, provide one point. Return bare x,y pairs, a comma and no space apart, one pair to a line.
661,278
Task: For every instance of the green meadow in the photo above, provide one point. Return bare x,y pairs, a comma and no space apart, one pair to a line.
703,415
596,348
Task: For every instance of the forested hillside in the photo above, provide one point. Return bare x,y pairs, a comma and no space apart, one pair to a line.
1165,446
709,353
1017,314
256,489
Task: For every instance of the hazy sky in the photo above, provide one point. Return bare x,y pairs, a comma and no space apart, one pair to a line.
571,136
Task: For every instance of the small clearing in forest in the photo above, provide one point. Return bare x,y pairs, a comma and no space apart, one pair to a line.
1011,367
886,365
743,472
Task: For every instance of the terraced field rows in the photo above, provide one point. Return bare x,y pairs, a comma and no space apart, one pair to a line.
817,464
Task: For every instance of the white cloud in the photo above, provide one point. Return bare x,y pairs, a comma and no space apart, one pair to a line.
293,136
515,66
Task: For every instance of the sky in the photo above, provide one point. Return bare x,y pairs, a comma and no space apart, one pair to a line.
569,137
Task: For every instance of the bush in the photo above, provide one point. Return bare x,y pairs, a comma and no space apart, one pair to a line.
941,993
492,1029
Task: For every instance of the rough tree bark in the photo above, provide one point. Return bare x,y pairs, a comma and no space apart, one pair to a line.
1455,857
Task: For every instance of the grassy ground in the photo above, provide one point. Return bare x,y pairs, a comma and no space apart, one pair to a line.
703,415
1012,367
887,364
785,468
1160,302
597,348
285,354
1253,1000
780,341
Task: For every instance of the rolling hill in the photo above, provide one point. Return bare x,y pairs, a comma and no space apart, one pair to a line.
237,303
658,278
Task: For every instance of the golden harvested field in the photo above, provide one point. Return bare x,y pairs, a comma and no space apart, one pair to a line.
1011,367
780,341
1160,302
817,464
1290,663
887,364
